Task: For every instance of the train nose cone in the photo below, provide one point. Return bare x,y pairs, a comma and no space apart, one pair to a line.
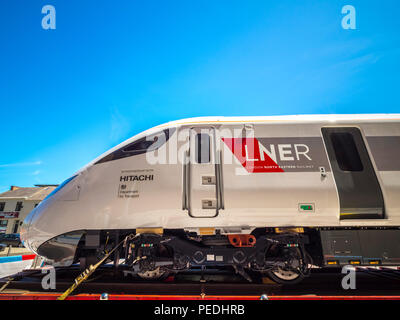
24,233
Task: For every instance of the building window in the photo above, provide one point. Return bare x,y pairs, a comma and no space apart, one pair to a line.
346,152
2,205
3,226
19,206
202,148
16,225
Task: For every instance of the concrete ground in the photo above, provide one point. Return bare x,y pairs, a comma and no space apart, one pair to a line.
14,251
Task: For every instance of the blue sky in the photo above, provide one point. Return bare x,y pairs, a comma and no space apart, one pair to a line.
114,68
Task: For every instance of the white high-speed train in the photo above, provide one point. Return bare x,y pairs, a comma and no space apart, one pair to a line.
266,194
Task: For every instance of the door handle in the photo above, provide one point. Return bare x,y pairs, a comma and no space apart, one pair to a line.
219,181
186,181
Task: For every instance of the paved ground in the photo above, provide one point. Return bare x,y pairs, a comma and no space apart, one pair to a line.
9,268
15,252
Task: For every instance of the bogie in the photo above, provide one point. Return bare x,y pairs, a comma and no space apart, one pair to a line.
154,256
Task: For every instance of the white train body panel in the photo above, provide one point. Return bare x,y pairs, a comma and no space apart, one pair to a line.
94,200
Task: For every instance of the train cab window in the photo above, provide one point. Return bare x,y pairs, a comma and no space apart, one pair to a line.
143,145
346,152
202,148
146,144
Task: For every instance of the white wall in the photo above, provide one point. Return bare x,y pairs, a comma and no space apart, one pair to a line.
10,206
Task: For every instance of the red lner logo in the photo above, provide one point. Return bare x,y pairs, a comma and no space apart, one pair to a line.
256,157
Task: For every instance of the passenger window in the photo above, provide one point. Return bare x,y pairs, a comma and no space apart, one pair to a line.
346,152
202,148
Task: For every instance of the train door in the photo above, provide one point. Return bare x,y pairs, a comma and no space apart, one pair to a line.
202,176
360,194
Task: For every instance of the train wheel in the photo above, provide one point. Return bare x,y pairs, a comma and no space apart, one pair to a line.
282,276
286,275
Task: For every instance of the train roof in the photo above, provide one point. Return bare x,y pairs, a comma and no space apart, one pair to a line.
323,118
286,118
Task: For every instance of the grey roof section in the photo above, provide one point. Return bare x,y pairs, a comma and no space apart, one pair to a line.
34,193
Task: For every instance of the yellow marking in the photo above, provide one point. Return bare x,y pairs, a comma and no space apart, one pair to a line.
332,262
6,284
374,262
266,280
150,230
87,273
355,262
207,231
291,230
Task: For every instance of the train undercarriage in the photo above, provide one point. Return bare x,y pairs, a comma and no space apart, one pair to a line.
284,257
283,254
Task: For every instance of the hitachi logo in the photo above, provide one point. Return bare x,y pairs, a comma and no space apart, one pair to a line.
143,177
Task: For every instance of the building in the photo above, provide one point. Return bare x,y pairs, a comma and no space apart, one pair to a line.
16,204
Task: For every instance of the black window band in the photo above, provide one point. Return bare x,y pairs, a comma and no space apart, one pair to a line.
140,146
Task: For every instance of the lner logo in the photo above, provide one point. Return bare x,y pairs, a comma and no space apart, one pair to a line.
278,154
